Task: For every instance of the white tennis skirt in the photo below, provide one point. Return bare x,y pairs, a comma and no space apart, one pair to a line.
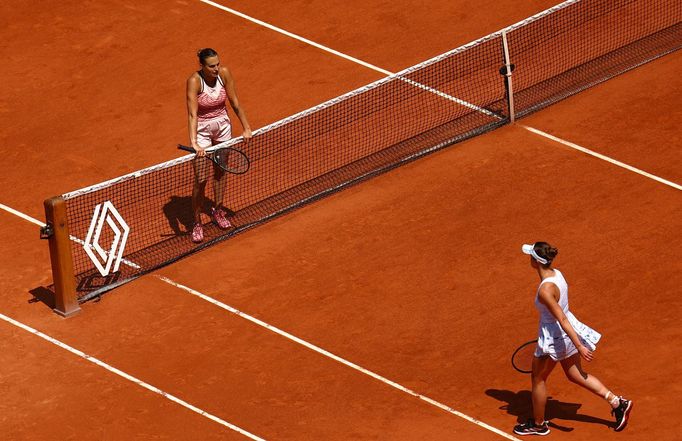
553,341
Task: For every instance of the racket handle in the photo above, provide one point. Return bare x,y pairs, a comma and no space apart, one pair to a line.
186,148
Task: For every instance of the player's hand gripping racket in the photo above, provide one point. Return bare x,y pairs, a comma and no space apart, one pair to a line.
229,159
522,359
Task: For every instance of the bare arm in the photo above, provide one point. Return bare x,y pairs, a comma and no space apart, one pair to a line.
234,101
193,86
549,296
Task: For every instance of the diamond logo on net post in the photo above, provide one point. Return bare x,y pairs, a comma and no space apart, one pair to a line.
107,260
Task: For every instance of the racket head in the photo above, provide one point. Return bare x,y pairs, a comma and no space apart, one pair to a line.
522,358
231,160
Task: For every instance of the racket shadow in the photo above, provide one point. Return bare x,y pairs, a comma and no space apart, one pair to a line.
519,404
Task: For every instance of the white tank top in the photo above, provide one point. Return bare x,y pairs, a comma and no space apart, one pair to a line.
557,279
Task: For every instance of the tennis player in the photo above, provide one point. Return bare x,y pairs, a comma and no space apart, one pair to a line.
208,91
564,339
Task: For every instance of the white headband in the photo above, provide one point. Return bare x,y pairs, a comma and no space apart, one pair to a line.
530,249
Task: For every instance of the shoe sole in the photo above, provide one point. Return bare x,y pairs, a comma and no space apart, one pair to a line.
626,416
532,433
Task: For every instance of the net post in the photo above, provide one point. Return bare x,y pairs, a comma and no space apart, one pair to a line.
507,72
57,233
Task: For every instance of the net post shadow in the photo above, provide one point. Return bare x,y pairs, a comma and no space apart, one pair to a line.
44,295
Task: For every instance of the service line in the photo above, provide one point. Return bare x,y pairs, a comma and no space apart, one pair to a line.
335,357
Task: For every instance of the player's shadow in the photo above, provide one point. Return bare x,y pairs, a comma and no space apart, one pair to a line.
519,404
178,212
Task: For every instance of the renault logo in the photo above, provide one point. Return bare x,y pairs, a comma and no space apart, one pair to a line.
103,258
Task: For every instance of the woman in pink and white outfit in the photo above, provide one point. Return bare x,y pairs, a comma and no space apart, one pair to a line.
208,91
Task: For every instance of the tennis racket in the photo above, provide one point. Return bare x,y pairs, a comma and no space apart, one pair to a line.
522,358
228,159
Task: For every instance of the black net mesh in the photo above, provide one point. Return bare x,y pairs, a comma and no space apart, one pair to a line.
586,43
442,101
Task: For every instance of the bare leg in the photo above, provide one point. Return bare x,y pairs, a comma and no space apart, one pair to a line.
219,184
620,407
217,211
201,172
574,372
197,199
542,367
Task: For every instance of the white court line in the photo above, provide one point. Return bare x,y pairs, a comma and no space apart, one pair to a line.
349,58
21,215
128,377
274,329
259,323
106,366
42,224
335,357
296,37
443,95
603,157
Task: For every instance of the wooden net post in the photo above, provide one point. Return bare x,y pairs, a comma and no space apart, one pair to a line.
57,233
507,70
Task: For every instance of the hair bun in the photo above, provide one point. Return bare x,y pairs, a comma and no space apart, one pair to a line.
552,253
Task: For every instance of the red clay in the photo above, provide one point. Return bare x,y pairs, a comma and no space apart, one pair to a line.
633,118
416,274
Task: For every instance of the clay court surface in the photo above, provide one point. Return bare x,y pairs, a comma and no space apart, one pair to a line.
415,275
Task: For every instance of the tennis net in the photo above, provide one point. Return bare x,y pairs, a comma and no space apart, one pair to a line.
123,228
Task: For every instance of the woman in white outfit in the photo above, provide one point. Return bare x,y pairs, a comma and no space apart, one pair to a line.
561,338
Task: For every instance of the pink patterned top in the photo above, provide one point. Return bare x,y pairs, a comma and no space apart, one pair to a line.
211,100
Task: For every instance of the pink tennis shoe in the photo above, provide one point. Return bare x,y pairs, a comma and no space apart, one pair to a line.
197,233
220,219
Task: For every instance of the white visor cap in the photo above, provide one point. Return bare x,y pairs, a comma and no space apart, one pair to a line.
530,249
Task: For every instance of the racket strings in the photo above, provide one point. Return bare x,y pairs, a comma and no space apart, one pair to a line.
522,359
231,160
